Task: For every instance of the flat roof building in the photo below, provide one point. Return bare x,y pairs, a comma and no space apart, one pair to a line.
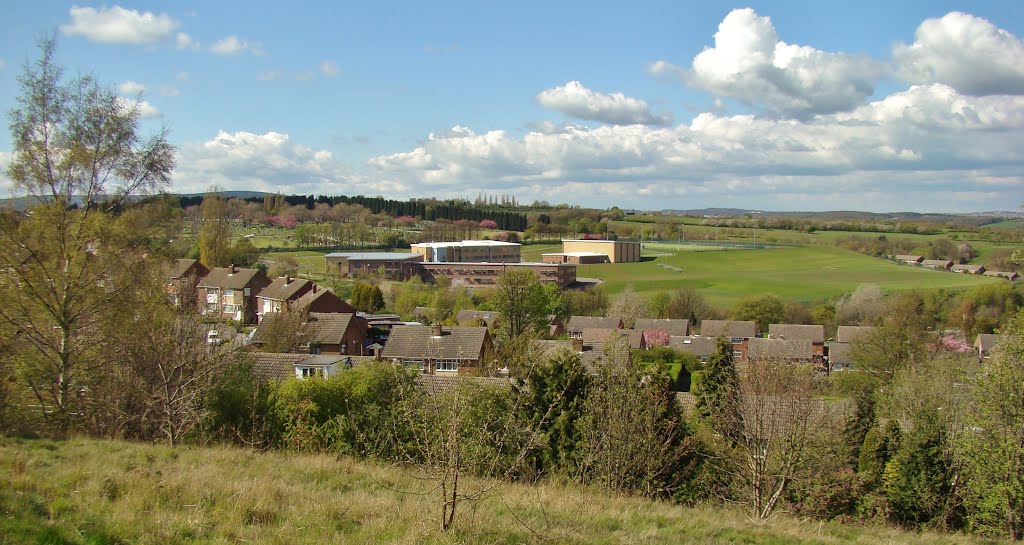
486,274
618,251
469,251
395,265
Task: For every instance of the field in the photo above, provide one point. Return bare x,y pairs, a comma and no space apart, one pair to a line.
808,274
105,492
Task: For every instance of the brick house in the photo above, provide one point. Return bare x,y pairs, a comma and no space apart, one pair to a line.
281,295
183,274
333,333
230,293
436,349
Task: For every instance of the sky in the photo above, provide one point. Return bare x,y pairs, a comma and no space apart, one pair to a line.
773,105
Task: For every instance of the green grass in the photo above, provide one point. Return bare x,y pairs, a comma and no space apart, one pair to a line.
105,492
807,274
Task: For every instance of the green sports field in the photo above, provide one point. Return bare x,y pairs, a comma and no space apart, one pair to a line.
808,274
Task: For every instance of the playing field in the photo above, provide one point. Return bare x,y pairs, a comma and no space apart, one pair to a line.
809,274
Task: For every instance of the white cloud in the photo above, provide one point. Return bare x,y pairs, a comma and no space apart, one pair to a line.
573,99
232,45
267,162
750,63
184,41
131,88
329,69
145,109
928,148
6,184
967,52
119,25
169,91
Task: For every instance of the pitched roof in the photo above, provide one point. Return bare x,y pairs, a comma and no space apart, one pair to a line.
785,349
487,316
234,278
985,342
969,268
700,346
593,355
840,353
285,288
579,323
673,327
317,293
945,263
909,257
277,366
435,384
417,341
728,328
814,333
847,333
328,327
180,267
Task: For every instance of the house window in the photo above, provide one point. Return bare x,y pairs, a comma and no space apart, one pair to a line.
310,372
737,340
737,354
413,363
447,365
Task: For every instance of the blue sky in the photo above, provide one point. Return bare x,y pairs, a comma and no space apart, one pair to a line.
766,105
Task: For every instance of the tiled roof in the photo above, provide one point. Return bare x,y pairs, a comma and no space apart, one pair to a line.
435,384
318,293
234,278
728,328
579,323
671,326
412,341
985,342
783,349
593,355
487,316
909,257
700,346
945,263
847,333
840,353
181,266
285,288
275,366
814,333
328,327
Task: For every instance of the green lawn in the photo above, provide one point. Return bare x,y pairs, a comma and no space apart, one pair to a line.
807,274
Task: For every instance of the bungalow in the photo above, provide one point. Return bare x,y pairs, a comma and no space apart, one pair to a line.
937,264
230,293
436,349
739,332
672,327
578,323
331,333
592,355
791,350
848,333
280,295
968,269
910,259
840,356
986,343
702,347
270,366
634,338
487,318
813,333
183,275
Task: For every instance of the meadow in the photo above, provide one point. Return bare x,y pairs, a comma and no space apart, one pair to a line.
106,492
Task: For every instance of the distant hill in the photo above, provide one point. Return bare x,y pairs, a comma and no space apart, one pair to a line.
230,194
967,218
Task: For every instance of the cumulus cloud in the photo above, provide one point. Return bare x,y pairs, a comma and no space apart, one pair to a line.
267,162
184,41
233,45
130,87
329,69
575,100
966,52
750,63
119,25
144,108
921,149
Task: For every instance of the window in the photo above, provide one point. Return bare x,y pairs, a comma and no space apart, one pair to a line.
309,372
737,354
447,365
413,363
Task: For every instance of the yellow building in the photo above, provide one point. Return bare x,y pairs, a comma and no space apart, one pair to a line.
618,251
469,251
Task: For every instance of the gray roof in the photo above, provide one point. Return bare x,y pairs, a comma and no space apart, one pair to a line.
417,341
234,278
316,294
673,327
700,346
814,333
180,267
487,316
906,257
284,289
593,355
840,353
728,328
985,342
277,366
847,333
783,349
375,256
937,263
435,384
579,323
329,327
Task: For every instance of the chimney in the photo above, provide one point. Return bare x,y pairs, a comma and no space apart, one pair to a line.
435,330
231,269
287,280
577,345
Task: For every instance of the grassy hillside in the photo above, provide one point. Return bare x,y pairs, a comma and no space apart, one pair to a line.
807,274
103,492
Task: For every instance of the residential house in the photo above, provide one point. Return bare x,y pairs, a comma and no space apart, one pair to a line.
577,324
324,300
702,347
790,350
230,293
332,333
986,343
937,264
270,366
183,275
968,269
814,333
488,318
739,333
910,259
592,355
848,333
281,295
1009,275
555,326
673,327
633,338
840,356
436,349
